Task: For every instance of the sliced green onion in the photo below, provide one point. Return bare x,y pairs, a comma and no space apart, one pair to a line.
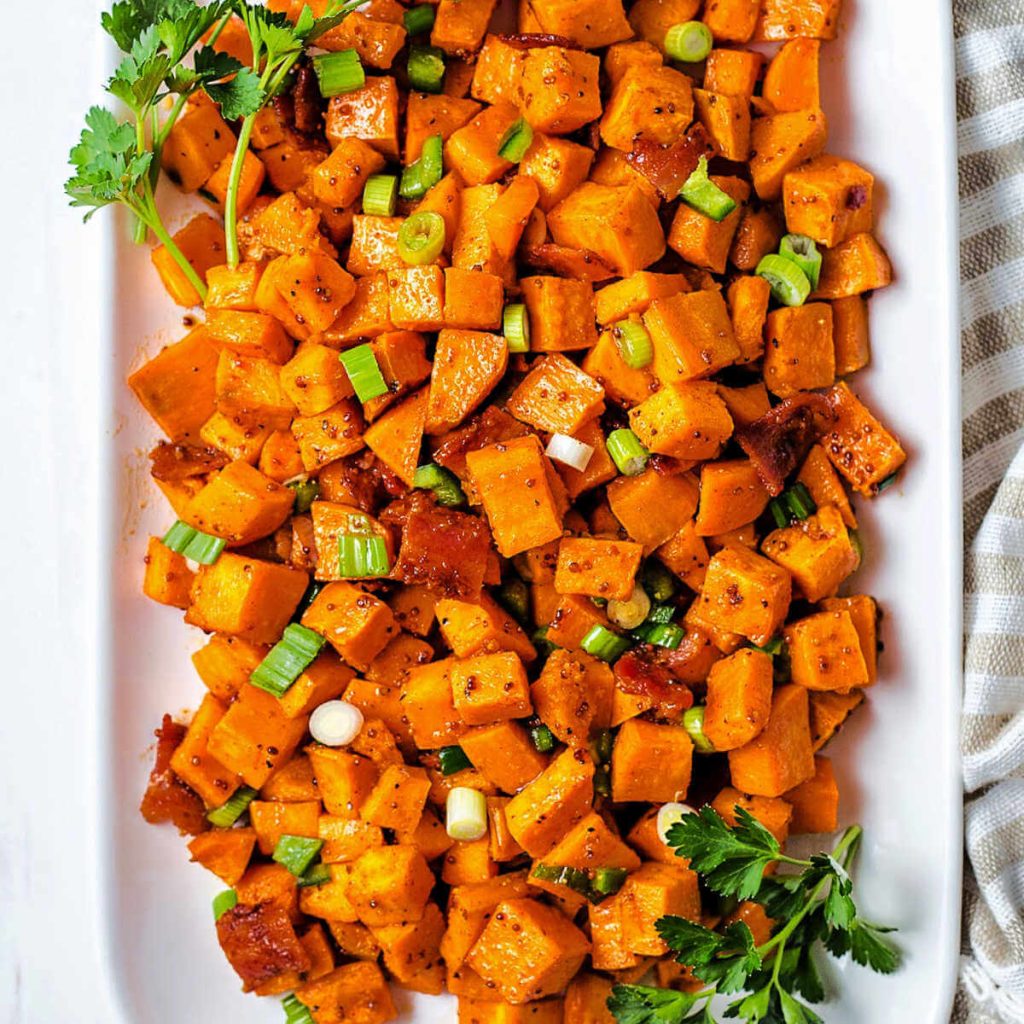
191,543
599,602
453,759
296,1012
789,284
602,643
360,557
603,746
802,251
336,723
421,238
632,612
318,874
223,902
570,452
608,881
576,879
296,853
540,640
693,723
444,483
543,738
704,196
308,598
516,326
516,141
419,20
232,809
426,68
671,814
306,492
663,634
661,613
773,647
514,597
466,814
602,781
420,177
657,581
800,502
690,42
287,660
858,546
628,454
633,343
779,512
380,194
361,366
339,72
885,484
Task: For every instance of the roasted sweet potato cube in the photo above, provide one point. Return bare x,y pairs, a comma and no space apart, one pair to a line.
472,247
590,23
354,940
746,594
739,698
828,199
225,664
732,72
574,617
330,899
245,597
201,241
686,420
853,267
528,951
858,445
557,166
623,56
600,467
771,811
410,948
398,798
354,993
640,745
504,754
260,943
651,19
197,143
240,504
783,19
757,235
497,76
651,506
556,396
401,356
390,885
472,151
503,847
344,779
864,613
780,757
273,819
561,313
316,288
224,851
396,438
192,762
429,115
727,120
817,552
586,1000
293,781
829,710
818,475
615,222
791,80
598,568
346,839
490,688
167,579
427,703
592,843
376,34
748,298
468,862
329,435
331,520
731,495
799,354
416,298
825,652
369,113
473,300
705,242
652,892
608,935
746,404
459,25
815,802
560,89
255,736
561,699
357,624
732,21
781,142
541,813
374,245
249,390
467,366
314,379
686,554
850,334
650,103
634,294
250,334
512,479
481,627
692,335
269,884
339,180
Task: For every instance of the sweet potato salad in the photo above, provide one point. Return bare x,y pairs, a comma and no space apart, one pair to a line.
514,452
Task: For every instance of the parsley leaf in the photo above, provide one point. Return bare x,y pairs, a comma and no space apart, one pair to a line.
643,1004
236,88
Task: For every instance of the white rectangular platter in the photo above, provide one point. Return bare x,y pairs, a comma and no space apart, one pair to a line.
888,88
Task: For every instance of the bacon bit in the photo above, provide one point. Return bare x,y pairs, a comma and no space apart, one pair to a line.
581,264
856,197
307,101
490,427
167,798
668,167
779,440
537,40
647,671
173,463
260,943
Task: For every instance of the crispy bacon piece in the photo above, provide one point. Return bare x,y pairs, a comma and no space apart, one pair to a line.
307,102
779,440
443,550
646,671
491,426
536,40
173,463
260,943
167,798
668,167
581,264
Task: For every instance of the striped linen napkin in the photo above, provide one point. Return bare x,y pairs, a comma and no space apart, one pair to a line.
990,108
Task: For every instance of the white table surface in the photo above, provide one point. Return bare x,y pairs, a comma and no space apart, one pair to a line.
49,972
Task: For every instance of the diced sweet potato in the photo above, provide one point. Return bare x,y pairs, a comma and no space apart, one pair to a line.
739,698
784,19
557,166
815,802
369,113
651,506
167,796
825,652
490,688
853,267
357,624
732,21
799,354
504,754
828,199
686,554
560,89
586,1000
574,617
561,313
685,419
398,798
732,72
781,142
273,819
556,396
396,438
355,993
692,336
390,885
655,104
771,811
472,151
817,552
705,242
599,568
416,298
225,852
330,435
481,627
731,495
639,747
780,757
650,893
467,366
791,80
468,862
459,25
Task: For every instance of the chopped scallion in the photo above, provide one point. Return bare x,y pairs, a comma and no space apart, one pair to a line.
543,738
800,502
602,643
664,634
704,196
661,613
602,781
296,853
802,251
362,556
885,484
633,343
628,454
306,492
442,482
287,660
380,194
632,612
516,141
693,723
339,72
420,177
452,760
516,326
418,20
608,881
858,546
193,544
426,68
658,581
773,647
296,1012
689,42
603,746
514,597
466,814
361,366
779,513
232,809
223,902
789,284
318,874
421,238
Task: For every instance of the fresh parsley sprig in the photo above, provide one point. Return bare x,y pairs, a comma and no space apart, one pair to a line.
814,906
277,44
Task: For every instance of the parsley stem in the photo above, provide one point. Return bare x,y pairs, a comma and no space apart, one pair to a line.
151,218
